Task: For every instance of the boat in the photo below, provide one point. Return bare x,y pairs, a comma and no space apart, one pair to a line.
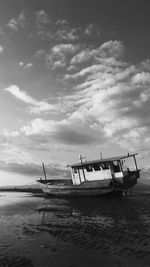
108,176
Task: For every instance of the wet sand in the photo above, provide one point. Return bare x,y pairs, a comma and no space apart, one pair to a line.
74,233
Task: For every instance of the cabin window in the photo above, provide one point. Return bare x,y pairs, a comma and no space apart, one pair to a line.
88,168
104,166
96,167
116,166
75,170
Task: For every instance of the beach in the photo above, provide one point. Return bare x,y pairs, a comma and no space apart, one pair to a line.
74,232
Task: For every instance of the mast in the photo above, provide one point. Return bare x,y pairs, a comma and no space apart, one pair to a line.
44,171
135,162
80,157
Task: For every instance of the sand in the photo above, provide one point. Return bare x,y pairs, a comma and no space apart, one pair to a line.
72,233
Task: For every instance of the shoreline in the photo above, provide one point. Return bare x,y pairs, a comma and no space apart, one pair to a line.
27,190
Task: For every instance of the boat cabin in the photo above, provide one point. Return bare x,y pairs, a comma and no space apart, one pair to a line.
104,169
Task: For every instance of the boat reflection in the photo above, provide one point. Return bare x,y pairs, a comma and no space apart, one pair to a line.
109,224
75,208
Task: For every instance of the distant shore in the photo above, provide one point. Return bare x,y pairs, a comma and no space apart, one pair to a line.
17,189
139,188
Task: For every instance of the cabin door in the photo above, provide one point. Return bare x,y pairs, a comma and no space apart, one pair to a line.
78,176
82,175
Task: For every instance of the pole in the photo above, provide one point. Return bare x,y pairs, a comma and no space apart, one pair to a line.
80,157
135,162
44,171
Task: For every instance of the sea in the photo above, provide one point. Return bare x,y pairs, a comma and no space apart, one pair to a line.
86,232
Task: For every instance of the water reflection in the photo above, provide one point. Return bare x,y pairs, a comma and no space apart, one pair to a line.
112,225
119,227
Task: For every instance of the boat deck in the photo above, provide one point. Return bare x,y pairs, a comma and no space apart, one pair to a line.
56,181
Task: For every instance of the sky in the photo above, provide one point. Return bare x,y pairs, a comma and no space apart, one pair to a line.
74,79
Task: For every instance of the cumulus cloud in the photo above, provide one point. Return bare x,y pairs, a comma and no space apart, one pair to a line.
65,33
60,54
41,18
108,50
58,32
56,132
141,78
108,98
92,30
110,101
16,23
25,65
115,93
32,169
37,106
69,54
58,57
13,24
69,35
62,32
14,153
112,49
51,135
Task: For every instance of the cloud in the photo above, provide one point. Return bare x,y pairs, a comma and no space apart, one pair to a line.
67,35
1,49
92,30
112,49
61,23
106,100
62,32
32,169
115,93
15,157
25,66
141,78
70,49
45,35
47,135
65,131
109,101
13,24
37,106
17,23
59,55
58,32
21,19
109,50
41,55
13,152
82,57
41,19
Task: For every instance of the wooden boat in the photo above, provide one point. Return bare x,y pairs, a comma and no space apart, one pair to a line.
95,178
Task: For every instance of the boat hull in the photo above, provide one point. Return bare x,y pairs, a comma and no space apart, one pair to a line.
96,188
93,188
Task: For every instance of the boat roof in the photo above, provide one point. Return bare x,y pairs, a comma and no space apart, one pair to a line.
86,163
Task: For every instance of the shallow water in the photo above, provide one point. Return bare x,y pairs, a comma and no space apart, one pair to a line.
78,232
